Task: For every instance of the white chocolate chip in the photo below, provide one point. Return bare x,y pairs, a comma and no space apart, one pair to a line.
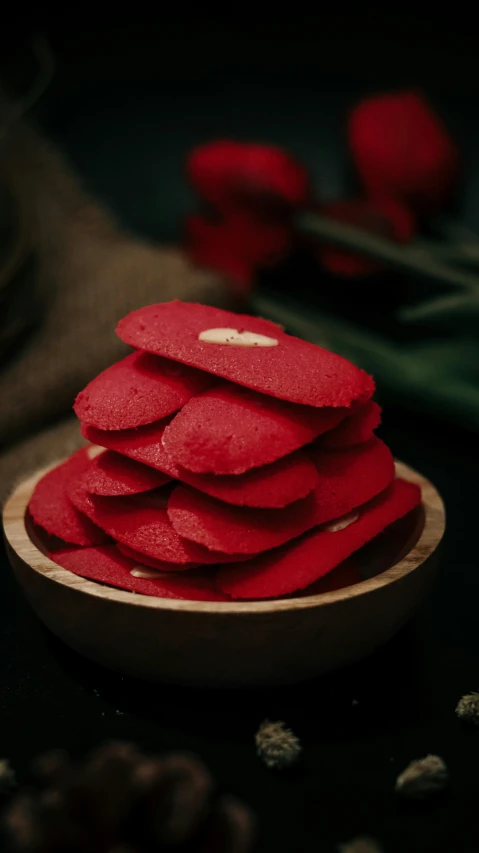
340,523
94,450
141,572
235,338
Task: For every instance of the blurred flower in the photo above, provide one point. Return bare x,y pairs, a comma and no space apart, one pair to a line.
360,845
7,776
383,217
119,799
402,150
236,247
260,180
277,745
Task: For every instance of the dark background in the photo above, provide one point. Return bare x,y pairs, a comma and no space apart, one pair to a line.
129,99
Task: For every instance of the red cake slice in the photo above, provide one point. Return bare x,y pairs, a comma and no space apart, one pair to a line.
229,430
108,566
141,522
110,473
274,363
301,563
348,479
355,429
138,390
274,485
52,510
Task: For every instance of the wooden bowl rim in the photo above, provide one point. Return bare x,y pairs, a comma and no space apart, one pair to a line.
16,535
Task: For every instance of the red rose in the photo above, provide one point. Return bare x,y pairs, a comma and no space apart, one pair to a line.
384,217
254,190
402,150
261,180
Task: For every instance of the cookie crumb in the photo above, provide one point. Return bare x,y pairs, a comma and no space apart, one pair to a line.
277,745
8,779
468,708
422,777
360,845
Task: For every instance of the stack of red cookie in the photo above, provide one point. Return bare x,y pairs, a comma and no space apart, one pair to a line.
240,462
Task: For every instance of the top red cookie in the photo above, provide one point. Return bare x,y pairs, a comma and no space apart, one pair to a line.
275,363
137,390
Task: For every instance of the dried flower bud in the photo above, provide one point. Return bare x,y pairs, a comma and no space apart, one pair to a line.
50,768
468,708
423,777
176,797
360,845
276,745
120,801
7,776
232,828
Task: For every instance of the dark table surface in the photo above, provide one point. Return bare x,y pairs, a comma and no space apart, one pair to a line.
361,726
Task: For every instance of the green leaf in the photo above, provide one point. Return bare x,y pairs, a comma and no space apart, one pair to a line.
445,310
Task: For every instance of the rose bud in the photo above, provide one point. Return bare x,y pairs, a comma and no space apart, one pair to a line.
402,150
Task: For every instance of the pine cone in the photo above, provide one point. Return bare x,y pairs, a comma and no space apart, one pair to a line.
120,801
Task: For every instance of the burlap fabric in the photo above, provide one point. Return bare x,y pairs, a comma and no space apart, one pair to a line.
79,274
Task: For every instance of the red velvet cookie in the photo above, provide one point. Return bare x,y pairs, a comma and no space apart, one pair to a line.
355,429
346,481
141,522
350,477
110,473
276,364
236,530
108,566
229,430
138,390
274,485
144,444
299,564
52,510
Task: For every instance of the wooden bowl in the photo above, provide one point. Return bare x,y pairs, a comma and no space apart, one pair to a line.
234,644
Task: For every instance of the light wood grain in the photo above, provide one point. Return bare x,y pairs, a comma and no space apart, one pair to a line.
237,643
